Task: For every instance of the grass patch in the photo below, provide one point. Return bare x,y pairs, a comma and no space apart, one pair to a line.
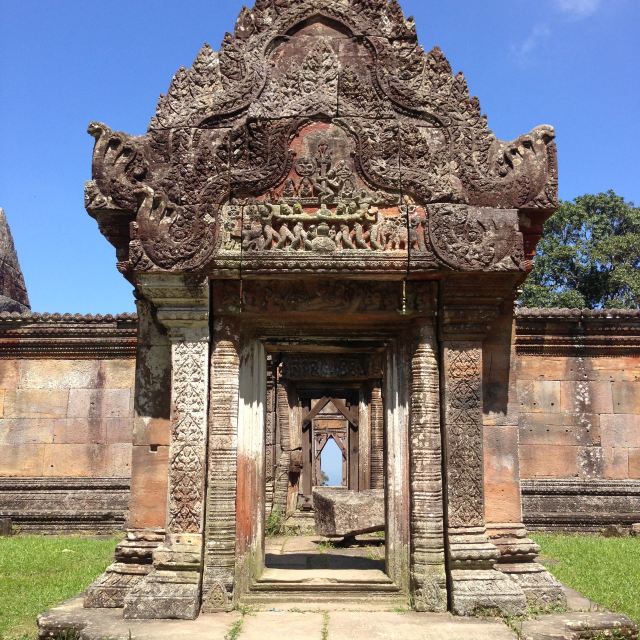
606,570
38,572
275,525
325,626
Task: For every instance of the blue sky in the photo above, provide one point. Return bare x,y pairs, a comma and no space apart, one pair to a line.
63,63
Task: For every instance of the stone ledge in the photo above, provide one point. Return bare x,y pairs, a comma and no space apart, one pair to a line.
64,505
579,505
579,626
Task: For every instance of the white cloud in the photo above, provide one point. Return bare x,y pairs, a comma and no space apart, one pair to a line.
524,49
578,8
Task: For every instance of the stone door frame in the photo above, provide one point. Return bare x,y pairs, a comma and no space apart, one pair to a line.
250,501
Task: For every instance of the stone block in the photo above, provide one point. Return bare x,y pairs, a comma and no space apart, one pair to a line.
118,374
26,431
501,452
21,460
58,374
341,513
117,403
2,402
9,374
616,464
74,460
152,431
626,398
591,462
620,369
620,431
536,368
577,625
559,429
118,430
634,464
36,403
549,461
586,397
79,431
149,477
501,480
118,461
83,403
99,403
539,396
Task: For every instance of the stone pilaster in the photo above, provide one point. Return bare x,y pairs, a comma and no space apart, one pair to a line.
428,576
220,548
173,588
377,437
476,584
518,553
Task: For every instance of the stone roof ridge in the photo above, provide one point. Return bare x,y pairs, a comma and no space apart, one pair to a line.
577,314
66,317
13,291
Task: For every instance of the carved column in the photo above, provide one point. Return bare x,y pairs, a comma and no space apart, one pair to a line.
172,589
428,576
471,556
220,548
377,437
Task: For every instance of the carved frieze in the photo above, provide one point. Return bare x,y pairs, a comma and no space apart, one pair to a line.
314,130
330,367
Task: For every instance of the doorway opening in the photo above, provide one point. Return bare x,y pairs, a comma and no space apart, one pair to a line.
325,477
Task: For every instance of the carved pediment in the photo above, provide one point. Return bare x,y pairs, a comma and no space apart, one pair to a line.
321,136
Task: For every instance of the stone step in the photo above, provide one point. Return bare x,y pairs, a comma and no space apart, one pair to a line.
324,585
326,599
365,577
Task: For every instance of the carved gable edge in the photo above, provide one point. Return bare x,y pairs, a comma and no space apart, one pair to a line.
323,138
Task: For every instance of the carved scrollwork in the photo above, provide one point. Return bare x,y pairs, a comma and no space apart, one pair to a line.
471,238
233,126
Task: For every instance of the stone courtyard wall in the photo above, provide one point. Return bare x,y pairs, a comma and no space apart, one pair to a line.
578,386
67,424
66,407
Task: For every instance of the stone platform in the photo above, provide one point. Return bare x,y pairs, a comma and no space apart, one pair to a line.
318,620
105,624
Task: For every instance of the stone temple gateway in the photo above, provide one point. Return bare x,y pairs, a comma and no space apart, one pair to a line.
319,216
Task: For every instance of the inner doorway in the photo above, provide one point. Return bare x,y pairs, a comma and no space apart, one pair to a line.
326,516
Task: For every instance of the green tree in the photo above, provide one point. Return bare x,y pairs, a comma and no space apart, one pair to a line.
589,256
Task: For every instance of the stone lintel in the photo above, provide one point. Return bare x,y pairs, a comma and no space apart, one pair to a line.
182,301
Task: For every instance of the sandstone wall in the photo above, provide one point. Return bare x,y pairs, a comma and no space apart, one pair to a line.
570,425
66,420
578,386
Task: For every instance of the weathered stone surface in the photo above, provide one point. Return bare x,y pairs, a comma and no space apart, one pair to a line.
65,505
572,504
13,291
341,513
635,530
578,626
343,170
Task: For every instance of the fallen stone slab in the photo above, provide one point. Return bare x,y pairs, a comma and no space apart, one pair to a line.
579,626
341,513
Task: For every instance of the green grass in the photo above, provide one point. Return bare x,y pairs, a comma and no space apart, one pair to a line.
38,572
606,570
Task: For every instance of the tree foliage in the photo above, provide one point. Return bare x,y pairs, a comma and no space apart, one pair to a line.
589,256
